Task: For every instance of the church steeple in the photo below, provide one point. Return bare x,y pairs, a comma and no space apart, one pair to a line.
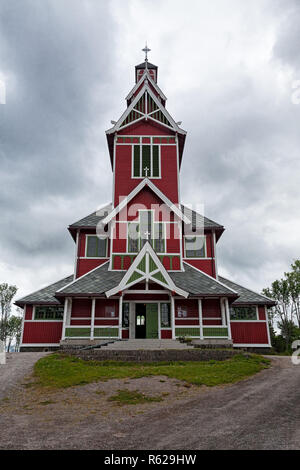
140,69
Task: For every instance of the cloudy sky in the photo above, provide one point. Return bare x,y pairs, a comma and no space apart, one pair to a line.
228,68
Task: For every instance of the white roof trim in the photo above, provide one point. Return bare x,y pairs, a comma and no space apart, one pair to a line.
135,191
147,248
138,84
145,88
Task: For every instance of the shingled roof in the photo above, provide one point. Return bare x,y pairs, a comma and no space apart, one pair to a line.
91,221
198,219
197,283
247,296
101,280
97,282
45,295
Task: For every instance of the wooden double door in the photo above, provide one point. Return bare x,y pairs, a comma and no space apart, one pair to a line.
146,321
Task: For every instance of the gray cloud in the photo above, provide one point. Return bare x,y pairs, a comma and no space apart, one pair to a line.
226,69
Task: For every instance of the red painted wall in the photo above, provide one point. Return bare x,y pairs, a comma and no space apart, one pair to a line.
123,181
42,332
249,333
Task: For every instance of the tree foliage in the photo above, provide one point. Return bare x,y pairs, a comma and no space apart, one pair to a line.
286,314
7,293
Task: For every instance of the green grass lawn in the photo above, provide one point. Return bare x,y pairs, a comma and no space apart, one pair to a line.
60,371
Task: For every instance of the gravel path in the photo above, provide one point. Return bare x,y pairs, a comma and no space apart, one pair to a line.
17,366
261,412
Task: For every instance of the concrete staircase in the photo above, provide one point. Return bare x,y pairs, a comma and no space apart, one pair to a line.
145,344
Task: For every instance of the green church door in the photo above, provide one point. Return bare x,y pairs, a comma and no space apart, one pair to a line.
152,321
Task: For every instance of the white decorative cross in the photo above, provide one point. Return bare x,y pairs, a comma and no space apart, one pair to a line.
146,169
147,235
146,50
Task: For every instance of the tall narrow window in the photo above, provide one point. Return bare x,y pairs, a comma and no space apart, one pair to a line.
145,227
159,239
146,161
195,247
165,315
96,247
133,237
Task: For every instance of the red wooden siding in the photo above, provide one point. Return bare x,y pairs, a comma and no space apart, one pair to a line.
42,332
81,308
28,313
211,308
166,334
249,333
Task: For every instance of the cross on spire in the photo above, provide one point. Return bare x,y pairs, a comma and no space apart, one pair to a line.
146,50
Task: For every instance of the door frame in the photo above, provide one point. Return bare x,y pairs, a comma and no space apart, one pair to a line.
132,315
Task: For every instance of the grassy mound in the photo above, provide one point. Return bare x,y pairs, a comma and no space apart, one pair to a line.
60,371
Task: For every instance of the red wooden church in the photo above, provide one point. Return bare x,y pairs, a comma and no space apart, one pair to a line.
146,265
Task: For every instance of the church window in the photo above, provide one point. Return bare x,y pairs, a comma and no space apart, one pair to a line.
146,161
125,315
195,247
243,313
165,315
96,247
146,230
49,313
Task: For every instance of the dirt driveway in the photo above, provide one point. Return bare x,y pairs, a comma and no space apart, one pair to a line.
262,412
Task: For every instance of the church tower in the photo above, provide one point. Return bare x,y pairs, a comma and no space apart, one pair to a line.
145,265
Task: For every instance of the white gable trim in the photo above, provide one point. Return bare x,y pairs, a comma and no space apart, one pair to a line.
148,76
147,89
147,248
135,191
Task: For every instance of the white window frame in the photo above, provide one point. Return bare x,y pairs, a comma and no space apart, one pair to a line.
151,144
152,227
86,246
205,246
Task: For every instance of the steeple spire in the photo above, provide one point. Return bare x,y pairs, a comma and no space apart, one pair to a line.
146,50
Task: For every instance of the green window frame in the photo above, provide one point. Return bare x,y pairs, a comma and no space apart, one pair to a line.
195,246
146,156
96,247
244,313
48,312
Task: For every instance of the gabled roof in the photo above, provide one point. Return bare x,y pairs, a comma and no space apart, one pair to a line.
145,76
168,122
146,182
45,295
199,220
102,282
147,266
147,64
247,296
90,221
